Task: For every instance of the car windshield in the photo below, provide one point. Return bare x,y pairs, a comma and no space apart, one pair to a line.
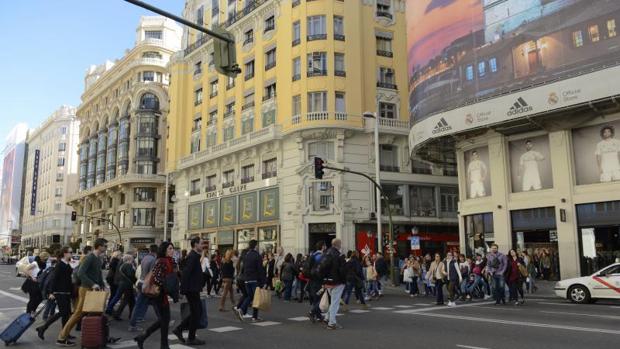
611,270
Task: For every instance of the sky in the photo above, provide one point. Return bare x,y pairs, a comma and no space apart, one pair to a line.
47,45
434,24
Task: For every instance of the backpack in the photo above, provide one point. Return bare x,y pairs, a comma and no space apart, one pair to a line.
325,266
314,267
495,263
44,280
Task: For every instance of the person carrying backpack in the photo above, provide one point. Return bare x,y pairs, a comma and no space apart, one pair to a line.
44,282
332,270
315,282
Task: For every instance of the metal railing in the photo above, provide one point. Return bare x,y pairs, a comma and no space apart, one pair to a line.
253,5
384,14
228,184
387,85
246,180
383,53
314,37
270,174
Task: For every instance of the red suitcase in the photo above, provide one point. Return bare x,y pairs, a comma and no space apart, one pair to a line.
94,331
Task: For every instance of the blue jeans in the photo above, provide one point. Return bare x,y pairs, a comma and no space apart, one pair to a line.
499,288
250,287
142,305
348,290
50,308
413,286
112,302
336,294
288,288
478,281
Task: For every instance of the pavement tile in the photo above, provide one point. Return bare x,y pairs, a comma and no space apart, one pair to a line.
123,344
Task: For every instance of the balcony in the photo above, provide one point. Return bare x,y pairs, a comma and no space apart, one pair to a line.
340,73
195,128
269,97
210,188
194,192
248,76
270,65
296,42
389,168
213,94
228,114
387,85
253,5
198,102
197,44
270,174
211,122
315,37
382,53
385,14
392,126
118,181
295,3
317,73
339,37
228,184
247,106
269,28
246,180
296,77
197,72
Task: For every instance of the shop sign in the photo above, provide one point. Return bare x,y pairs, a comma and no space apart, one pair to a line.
415,242
231,190
553,235
226,238
141,241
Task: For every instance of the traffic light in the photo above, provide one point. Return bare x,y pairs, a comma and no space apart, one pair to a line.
73,216
224,54
318,168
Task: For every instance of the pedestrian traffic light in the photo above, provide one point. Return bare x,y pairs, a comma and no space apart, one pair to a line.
73,216
224,54
318,168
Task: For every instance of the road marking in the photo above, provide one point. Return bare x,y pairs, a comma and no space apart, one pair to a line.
522,323
180,346
10,295
225,329
469,347
403,306
382,308
266,323
500,308
359,311
564,304
299,318
423,310
15,289
123,344
9,309
582,314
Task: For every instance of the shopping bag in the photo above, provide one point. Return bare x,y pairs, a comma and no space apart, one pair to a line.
204,320
262,299
94,301
324,304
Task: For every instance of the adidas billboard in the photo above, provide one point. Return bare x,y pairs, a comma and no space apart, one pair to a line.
442,126
519,107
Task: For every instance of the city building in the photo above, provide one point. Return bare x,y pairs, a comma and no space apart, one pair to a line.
123,118
240,150
533,120
13,158
51,176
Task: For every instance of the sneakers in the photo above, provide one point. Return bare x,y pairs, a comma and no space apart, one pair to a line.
256,319
486,296
451,304
135,329
247,316
65,343
179,334
334,327
238,314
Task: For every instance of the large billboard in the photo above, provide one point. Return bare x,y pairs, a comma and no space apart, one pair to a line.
473,63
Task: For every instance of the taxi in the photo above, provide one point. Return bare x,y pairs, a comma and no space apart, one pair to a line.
604,284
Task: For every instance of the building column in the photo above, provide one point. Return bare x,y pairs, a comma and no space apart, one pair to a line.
502,227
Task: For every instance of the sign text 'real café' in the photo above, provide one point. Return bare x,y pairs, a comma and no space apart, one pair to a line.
231,190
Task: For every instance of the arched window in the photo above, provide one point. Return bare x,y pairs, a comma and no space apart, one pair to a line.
127,110
149,101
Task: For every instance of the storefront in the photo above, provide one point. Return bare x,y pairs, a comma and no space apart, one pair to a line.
599,235
321,232
479,234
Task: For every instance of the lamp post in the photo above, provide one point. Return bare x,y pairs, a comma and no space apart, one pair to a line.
370,115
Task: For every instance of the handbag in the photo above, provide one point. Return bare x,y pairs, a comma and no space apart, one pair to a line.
324,304
94,301
149,289
204,320
262,299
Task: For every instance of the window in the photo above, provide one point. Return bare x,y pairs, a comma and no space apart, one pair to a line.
296,33
122,199
213,88
270,92
577,38
338,28
148,76
211,138
62,146
482,69
395,195
249,70
383,9
317,64
110,202
232,9
63,130
611,28
61,162
211,184
145,194
194,187
296,68
215,12
247,174
57,207
317,102
230,83
122,219
422,201
339,69
321,195
212,118
248,37
493,65
340,103
247,125
449,199
270,59
60,177
228,178
386,76
296,105
469,72
323,150
316,28
388,158
270,168
153,34
270,24
229,132
148,54
384,46
269,118
248,101
195,141
421,167
144,217
230,109
594,33
58,192
146,147
387,110
198,96
145,167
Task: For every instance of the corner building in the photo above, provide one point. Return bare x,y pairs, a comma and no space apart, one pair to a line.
123,118
241,149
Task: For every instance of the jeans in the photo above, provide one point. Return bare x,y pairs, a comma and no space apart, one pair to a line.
373,289
349,288
315,300
227,290
163,321
413,286
115,298
336,295
452,290
478,281
129,298
50,309
439,291
76,316
301,285
195,313
288,288
250,287
64,311
499,288
139,310
35,298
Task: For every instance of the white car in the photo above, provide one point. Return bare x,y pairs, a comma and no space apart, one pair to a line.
604,284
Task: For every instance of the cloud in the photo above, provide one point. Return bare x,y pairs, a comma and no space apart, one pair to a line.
436,4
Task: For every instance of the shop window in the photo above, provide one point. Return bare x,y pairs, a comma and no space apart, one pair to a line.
577,38
599,235
469,72
594,33
479,233
611,28
422,201
395,194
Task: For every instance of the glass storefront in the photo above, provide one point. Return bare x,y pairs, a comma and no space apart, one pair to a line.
479,233
534,230
599,235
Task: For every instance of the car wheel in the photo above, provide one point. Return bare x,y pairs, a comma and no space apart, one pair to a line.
579,294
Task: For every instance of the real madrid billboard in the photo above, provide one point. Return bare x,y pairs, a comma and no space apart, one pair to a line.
473,63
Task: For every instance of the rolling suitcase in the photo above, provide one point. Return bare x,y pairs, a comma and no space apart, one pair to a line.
95,331
16,329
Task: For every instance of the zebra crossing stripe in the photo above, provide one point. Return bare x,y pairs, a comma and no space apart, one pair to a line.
225,329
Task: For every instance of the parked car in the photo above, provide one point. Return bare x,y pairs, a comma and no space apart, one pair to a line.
604,284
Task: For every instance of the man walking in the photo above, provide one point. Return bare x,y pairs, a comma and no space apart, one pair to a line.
253,273
142,303
90,278
315,282
496,267
333,262
191,285
381,268
454,278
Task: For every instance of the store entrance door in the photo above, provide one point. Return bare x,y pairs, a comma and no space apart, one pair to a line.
320,232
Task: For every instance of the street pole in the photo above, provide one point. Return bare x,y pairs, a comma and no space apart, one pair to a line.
377,191
166,206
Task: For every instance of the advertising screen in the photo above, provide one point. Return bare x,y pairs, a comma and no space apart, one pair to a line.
478,175
596,152
481,57
530,164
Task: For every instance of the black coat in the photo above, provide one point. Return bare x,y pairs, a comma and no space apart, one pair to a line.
191,275
253,267
61,279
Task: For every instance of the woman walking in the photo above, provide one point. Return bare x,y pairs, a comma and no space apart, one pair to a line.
288,275
228,273
164,266
514,278
437,274
126,281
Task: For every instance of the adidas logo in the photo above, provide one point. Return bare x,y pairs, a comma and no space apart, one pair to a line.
519,107
442,126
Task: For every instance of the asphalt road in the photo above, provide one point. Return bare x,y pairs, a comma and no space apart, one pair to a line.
395,321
